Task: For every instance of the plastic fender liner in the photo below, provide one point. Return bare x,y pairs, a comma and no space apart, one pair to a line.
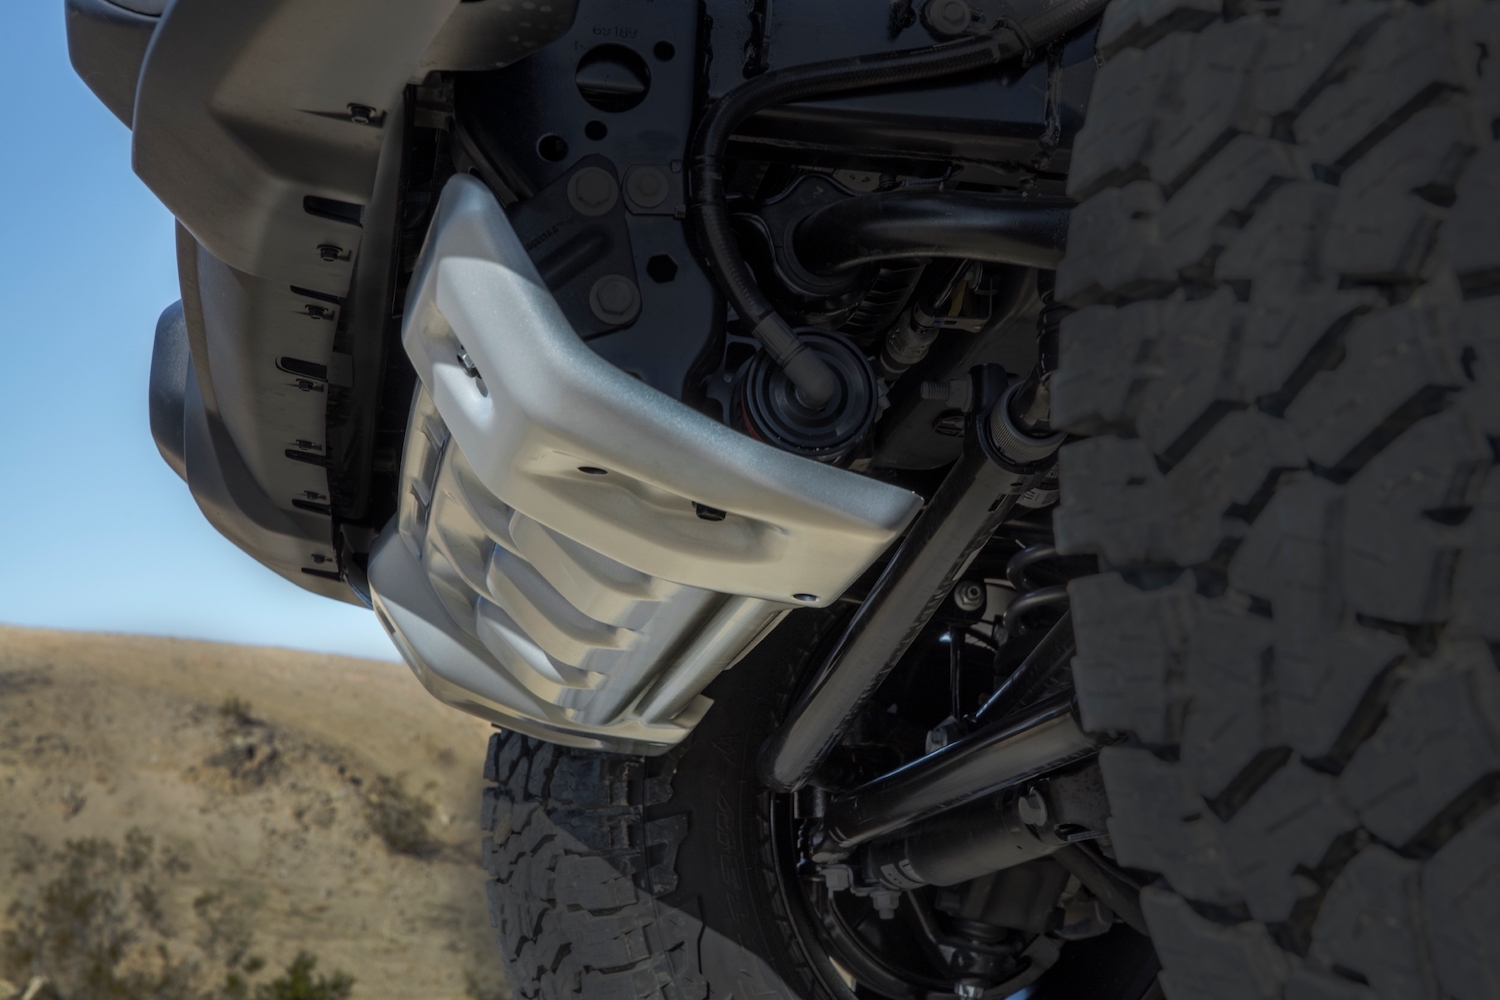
243,111
234,504
107,45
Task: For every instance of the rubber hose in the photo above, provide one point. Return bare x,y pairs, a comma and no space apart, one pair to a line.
710,212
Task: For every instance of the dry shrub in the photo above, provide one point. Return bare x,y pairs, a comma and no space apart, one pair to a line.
399,818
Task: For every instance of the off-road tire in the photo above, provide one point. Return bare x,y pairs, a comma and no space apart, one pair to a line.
618,877
1286,358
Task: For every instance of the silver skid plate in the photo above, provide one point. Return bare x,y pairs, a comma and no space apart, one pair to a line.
548,568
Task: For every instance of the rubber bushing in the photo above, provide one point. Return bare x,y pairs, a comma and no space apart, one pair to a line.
1014,443
767,408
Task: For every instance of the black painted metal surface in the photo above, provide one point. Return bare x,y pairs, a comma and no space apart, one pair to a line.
974,498
980,764
1002,229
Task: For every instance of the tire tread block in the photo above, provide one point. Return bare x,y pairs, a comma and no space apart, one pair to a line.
570,897
1206,959
1214,103
1390,357
1408,60
1370,925
1389,205
1314,35
1115,141
1140,23
1129,678
1471,236
1231,715
1276,253
1461,892
1289,824
1348,218
1398,561
1159,823
1477,580
1441,737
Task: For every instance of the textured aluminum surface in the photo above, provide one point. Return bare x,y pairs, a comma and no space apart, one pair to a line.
548,568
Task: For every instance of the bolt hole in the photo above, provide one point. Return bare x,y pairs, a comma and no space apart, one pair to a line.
664,51
708,513
661,268
596,130
593,470
552,147
806,598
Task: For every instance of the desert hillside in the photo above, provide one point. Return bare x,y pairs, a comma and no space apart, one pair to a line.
183,819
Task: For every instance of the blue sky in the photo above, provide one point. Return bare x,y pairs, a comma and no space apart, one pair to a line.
99,534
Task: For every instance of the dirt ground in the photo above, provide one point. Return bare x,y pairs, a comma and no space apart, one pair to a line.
304,802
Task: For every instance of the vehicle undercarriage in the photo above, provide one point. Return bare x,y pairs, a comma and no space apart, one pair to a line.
972,497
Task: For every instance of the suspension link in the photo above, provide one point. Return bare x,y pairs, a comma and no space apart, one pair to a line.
978,494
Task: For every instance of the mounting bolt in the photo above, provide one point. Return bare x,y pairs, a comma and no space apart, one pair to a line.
329,252
956,392
592,191
614,299
968,991
647,186
363,114
885,901
947,731
838,878
947,17
467,364
970,595
1032,808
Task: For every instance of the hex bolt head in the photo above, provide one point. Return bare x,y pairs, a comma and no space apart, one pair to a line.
614,299
592,191
885,902
970,595
947,17
329,252
647,186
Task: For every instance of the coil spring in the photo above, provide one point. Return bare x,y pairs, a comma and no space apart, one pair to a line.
1031,596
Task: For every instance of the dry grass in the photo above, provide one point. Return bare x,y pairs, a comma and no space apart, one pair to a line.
88,923
292,803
